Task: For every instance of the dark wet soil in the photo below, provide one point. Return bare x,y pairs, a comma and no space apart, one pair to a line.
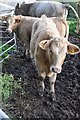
25,101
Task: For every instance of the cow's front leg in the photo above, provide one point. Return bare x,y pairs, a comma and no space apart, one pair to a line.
42,85
52,83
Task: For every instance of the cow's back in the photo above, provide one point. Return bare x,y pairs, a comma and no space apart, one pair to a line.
26,8
25,28
48,8
36,9
62,26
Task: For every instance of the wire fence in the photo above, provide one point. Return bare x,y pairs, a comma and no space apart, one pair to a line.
6,40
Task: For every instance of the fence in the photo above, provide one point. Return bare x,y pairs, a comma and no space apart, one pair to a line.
5,40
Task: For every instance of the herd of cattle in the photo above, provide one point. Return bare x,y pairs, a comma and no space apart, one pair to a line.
43,29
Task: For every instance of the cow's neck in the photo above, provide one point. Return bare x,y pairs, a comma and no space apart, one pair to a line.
17,32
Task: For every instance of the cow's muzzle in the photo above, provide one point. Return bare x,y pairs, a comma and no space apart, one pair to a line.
9,30
55,69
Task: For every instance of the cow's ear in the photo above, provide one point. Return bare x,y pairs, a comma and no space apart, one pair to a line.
45,44
4,17
72,49
17,6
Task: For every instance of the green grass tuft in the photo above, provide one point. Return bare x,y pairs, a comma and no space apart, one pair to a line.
7,85
72,28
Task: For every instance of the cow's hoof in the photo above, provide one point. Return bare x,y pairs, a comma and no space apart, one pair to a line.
23,56
47,103
53,97
41,93
32,60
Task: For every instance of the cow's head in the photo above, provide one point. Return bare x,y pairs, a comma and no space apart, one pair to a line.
18,10
57,48
13,23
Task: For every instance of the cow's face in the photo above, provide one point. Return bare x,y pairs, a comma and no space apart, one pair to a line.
13,23
57,48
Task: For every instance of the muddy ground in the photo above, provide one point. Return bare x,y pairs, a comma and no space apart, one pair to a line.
25,101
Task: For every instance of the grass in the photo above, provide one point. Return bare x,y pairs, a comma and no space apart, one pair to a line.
72,28
7,85
8,52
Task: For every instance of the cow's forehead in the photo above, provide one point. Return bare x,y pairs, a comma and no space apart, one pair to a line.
10,19
59,42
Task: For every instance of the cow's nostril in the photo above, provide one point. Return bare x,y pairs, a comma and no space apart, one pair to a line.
58,70
53,69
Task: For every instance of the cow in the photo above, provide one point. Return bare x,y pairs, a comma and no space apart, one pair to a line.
49,8
49,50
22,26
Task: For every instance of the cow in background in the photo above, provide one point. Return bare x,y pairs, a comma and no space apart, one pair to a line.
49,8
22,26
